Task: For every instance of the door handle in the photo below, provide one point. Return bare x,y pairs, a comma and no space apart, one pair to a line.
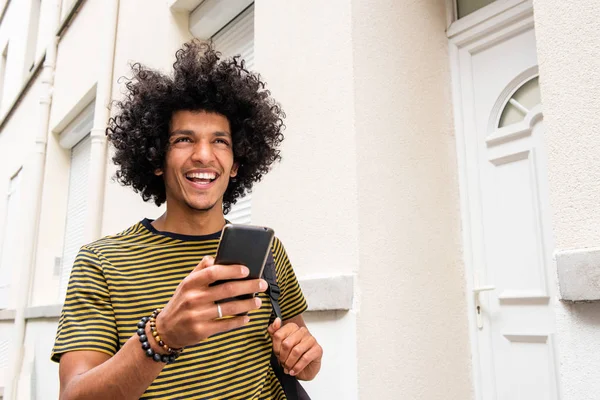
480,289
476,291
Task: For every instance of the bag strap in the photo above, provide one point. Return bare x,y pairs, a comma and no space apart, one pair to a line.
291,387
270,275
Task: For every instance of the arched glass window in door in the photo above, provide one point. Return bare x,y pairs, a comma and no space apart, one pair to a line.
520,103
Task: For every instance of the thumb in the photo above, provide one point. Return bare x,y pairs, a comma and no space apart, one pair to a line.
274,327
206,262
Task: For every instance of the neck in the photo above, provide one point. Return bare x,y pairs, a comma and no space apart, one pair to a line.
191,222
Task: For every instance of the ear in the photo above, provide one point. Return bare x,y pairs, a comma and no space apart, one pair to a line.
158,172
234,170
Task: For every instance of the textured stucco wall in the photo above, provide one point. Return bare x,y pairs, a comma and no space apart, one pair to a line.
310,197
568,43
570,72
304,52
412,321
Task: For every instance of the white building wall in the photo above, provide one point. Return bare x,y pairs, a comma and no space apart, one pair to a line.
77,72
13,30
569,74
367,184
138,40
310,199
370,152
412,320
16,144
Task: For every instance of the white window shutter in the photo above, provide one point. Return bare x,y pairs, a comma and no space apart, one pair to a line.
237,38
76,209
5,342
11,246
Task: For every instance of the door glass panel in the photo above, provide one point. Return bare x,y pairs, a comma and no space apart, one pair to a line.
466,7
524,99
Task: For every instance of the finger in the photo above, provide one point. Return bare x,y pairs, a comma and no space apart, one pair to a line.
216,272
236,288
237,307
313,354
274,327
279,336
206,262
224,325
288,347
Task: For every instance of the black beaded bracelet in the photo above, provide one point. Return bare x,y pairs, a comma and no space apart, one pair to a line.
141,332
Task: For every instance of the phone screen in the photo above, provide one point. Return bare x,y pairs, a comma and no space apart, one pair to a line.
244,245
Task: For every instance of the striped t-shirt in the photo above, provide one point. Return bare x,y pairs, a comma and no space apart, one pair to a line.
119,279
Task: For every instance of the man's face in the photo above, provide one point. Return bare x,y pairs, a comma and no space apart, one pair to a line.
199,161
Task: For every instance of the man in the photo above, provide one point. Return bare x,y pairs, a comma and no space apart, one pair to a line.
198,141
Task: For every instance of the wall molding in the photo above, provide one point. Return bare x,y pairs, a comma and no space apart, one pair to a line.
579,274
38,312
328,293
7,315
184,5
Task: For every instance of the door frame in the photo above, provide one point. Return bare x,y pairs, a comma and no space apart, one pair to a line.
467,36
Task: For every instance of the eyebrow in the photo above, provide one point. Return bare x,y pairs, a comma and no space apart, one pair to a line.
187,132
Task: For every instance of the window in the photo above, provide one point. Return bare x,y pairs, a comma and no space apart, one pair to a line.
466,7
76,137
237,38
33,42
11,246
521,102
6,333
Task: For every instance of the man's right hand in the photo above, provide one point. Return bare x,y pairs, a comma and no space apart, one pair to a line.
192,315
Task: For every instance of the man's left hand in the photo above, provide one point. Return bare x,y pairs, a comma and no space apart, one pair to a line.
297,350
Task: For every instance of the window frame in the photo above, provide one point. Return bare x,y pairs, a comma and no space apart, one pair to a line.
78,130
12,190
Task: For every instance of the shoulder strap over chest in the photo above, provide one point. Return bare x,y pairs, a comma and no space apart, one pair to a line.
270,275
292,388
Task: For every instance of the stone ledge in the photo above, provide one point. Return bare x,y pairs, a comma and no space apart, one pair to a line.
49,311
183,5
579,274
328,293
7,315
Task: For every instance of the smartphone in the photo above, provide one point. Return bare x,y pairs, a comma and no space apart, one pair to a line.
245,245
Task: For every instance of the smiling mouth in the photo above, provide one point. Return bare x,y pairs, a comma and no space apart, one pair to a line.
201,178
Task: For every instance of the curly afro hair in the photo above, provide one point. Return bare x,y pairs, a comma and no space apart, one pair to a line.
202,81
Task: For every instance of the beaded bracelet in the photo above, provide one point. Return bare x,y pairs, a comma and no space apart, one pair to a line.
141,332
159,341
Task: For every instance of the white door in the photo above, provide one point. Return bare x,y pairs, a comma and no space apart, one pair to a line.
505,206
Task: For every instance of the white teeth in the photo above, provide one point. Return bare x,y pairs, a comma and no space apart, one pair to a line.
202,175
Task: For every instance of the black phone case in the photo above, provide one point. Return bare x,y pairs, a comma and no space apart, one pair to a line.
246,245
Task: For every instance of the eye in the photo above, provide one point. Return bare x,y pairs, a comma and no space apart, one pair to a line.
222,141
182,139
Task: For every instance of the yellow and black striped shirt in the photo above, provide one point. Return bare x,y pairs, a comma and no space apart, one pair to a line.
119,279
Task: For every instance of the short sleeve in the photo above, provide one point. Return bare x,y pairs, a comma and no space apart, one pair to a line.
87,320
291,299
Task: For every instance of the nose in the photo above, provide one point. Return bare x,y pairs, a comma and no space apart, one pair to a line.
203,152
